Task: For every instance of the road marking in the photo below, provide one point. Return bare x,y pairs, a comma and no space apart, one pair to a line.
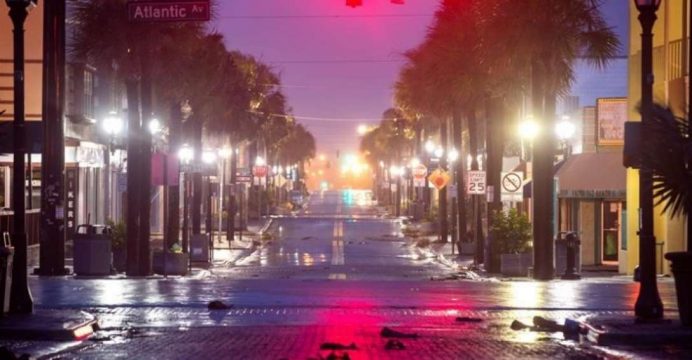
338,243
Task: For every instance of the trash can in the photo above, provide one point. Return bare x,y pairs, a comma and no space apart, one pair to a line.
6,256
92,250
562,252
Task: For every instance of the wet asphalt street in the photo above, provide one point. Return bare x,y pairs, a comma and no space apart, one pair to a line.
336,272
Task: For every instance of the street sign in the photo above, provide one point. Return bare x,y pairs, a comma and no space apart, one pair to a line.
243,179
475,184
165,11
512,185
260,170
439,179
419,173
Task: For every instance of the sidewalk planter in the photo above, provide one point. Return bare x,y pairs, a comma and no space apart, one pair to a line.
175,263
516,264
681,266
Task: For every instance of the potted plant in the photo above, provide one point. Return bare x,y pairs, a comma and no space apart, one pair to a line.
668,153
511,242
118,233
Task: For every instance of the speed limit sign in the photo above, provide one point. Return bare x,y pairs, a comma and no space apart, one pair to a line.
475,184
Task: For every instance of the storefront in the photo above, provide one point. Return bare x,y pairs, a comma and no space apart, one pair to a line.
591,193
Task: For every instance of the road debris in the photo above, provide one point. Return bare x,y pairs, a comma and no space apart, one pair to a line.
390,333
218,305
393,344
467,319
338,346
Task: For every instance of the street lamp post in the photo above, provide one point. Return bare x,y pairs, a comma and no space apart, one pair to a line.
20,296
648,305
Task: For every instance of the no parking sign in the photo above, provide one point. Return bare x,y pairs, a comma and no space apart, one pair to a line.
512,184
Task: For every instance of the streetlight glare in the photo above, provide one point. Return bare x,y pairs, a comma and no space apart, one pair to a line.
259,161
565,129
225,152
453,155
529,129
185,154
362,129
429,146
208,157
112,124
439,152
154,126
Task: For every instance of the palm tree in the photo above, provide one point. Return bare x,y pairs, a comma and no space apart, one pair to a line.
544,39
128,51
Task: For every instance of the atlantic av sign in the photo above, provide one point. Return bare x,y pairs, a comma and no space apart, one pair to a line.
165,11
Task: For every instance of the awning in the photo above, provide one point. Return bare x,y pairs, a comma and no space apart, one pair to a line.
593,176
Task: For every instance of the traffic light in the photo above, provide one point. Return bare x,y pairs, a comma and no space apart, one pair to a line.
354,3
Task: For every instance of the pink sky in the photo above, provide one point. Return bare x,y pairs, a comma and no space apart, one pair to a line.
336,62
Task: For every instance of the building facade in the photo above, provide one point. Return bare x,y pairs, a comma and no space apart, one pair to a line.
671,48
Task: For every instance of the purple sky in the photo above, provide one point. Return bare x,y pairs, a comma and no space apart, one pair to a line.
338,64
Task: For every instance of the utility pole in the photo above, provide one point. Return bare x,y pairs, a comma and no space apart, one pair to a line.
20,296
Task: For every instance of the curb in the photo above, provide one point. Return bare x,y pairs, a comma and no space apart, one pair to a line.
266,225
666,332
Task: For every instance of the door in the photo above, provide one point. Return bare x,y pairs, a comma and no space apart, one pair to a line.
611,231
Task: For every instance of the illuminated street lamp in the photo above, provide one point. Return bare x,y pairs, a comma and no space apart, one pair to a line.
565,130
453,155
186,154
430,146
439,152
154,126
528,130
209,157
362,129
648,305
259,161
112,124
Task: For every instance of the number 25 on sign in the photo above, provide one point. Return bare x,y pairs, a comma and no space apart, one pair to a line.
476,183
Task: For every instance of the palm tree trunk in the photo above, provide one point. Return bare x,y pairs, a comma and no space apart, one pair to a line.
444,230
133,169
173,230
145,176
196,212
457,128
543,153
476,226
495,136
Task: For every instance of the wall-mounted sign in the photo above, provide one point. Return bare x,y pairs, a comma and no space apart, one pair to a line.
611,115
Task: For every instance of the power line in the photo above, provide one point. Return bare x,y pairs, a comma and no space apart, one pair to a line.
279,17
352,61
